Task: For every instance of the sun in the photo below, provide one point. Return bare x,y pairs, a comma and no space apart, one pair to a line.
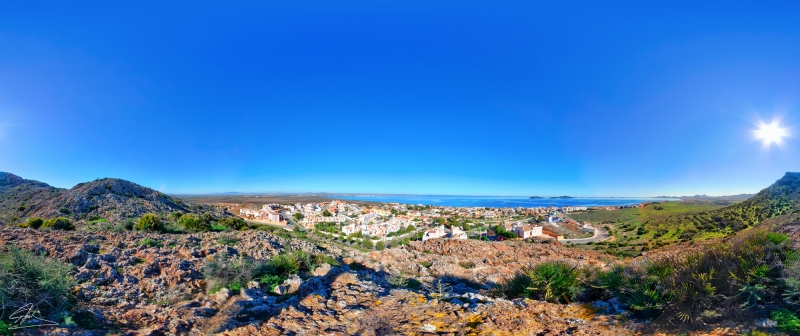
771,133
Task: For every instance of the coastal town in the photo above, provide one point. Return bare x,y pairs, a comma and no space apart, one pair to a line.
388,221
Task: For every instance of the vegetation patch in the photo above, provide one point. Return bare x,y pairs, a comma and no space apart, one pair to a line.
58,223
552,281
235,271
149,242
227,239
787,320
29,280
466,264
194,223
150,222
233,223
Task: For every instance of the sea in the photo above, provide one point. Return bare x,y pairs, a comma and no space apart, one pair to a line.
499,201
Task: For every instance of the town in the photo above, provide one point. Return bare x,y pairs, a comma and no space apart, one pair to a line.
386,222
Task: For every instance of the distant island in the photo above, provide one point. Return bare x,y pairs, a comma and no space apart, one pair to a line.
563,197
536,197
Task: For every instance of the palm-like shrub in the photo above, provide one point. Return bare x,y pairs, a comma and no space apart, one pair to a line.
747,272
552,281
150,222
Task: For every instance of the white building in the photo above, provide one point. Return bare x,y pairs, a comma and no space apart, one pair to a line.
437,232
528,231
457,233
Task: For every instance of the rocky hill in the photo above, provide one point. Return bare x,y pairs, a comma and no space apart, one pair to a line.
108,198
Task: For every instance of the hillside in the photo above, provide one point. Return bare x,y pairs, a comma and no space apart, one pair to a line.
781,198
108,198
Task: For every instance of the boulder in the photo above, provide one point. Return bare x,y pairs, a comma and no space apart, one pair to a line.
293,283
322,270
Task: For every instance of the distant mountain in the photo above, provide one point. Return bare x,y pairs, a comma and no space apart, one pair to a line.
108,198
739,197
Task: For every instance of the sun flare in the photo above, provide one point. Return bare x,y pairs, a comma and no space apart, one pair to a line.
771,133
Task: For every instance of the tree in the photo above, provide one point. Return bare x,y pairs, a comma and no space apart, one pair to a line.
326,213
150,222
297,216
501,231
59,223
380,246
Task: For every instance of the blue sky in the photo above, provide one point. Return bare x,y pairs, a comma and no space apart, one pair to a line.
433,97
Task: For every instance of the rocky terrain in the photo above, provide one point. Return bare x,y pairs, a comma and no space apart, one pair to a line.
110,199
127,287
145,283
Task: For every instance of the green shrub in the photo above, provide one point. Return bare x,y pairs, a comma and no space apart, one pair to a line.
129,224
26,278
35,223
150,222
270,280
233,223
149,242
192,222
284,264
366,243
786,320
466,264
58,223
297,261
380,246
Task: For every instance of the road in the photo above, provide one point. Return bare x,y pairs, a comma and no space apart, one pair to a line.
599,235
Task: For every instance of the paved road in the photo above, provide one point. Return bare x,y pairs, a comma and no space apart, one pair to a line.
599,236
